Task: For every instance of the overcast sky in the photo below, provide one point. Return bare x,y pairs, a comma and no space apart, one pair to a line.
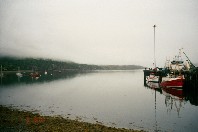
99,31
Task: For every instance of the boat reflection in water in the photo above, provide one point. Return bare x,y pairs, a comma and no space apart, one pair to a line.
174,92
186,93
156,87
153,85
174,99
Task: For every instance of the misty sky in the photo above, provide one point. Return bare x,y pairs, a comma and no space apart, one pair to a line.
99,31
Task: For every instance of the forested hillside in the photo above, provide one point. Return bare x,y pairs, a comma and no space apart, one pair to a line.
12,64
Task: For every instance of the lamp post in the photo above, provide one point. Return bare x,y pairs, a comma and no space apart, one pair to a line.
154,47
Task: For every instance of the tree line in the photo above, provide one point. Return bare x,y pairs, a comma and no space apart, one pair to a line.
39,64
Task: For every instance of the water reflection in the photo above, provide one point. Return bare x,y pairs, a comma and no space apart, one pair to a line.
174,99
175,102
11,78
116,99
174,92
186,93
154,86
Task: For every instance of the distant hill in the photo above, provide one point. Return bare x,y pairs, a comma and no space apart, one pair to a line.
12,64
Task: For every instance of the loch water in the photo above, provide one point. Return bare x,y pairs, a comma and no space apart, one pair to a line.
113,98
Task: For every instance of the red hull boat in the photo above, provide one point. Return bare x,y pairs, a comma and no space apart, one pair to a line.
172,82
34,75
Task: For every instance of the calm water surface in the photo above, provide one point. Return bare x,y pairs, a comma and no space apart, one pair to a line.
113,98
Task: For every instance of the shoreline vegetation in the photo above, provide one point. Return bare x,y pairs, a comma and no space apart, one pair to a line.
16,120
11,64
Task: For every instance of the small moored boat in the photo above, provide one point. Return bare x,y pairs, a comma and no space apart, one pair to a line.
34,75
152,78
19,74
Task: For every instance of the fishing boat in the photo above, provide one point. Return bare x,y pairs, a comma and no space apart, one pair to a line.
177,64
176,81
175,78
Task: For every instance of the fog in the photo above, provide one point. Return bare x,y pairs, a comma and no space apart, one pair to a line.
99,31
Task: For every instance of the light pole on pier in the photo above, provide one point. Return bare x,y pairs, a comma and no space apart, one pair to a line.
154,47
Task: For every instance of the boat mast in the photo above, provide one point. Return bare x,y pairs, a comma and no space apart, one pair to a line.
154,47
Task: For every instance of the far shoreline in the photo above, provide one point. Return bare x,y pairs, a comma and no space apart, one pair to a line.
64,70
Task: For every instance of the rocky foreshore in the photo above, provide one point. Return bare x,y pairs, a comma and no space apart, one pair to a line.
16,120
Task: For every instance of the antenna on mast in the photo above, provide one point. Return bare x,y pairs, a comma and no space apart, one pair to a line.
154,47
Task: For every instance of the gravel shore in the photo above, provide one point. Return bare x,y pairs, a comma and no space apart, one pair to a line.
15,120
